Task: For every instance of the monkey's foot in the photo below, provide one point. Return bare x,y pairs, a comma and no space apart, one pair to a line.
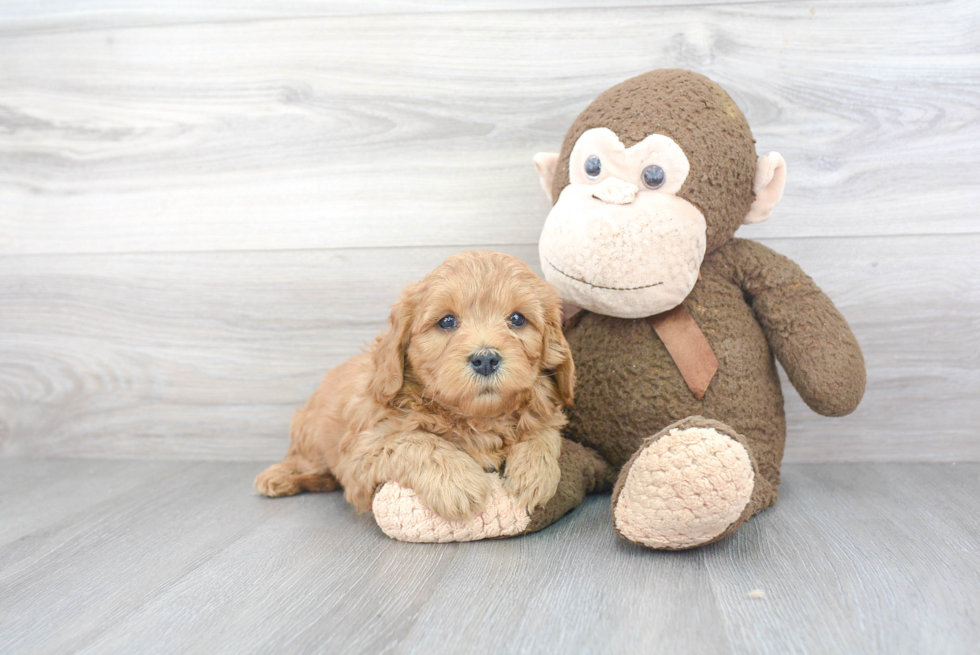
688,485
402,516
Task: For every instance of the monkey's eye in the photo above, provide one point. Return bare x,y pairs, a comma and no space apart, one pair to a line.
516,319
654,177
593,166
448,322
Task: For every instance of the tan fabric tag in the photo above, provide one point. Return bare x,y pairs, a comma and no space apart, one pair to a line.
687,346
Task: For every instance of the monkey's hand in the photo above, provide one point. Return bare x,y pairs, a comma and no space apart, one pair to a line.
401,515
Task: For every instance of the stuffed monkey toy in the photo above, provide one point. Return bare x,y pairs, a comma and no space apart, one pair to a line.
674,324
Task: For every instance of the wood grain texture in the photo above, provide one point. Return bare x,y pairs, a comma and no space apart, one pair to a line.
853,558
204,207
205,355
119,550
853,566
55,489
287,129
68,15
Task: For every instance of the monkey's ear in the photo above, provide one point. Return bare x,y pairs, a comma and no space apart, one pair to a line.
388,352
770,179
546,163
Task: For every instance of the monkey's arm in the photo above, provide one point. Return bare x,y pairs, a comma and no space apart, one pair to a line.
807,333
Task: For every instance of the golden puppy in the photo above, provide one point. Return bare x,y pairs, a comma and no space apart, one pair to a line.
469,377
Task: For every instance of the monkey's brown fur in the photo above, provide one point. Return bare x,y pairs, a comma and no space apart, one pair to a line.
412,410
752,305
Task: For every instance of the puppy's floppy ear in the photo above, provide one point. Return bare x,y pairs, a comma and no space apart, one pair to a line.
389,350
556,355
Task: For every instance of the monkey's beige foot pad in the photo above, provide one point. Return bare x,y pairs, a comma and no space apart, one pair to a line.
402,516
684,489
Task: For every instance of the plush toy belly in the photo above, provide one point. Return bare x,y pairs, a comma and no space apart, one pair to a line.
629,387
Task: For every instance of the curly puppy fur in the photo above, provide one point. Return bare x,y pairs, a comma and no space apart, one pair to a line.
413,410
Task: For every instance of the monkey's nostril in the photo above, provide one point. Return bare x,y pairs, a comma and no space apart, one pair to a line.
485,362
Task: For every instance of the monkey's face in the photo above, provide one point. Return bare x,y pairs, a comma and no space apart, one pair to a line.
619,241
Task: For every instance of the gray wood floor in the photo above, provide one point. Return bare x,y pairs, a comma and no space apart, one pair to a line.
124,556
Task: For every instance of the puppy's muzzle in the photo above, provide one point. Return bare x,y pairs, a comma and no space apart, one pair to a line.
485,361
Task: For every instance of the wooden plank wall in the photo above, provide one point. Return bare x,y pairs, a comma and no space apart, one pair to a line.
204,205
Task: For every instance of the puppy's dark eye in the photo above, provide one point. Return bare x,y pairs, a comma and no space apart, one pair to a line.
516,319
654,177
593,166
448,322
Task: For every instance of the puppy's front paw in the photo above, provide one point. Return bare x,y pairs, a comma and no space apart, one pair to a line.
532,480
455,489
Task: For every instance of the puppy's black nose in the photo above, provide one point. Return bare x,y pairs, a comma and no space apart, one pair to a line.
485,362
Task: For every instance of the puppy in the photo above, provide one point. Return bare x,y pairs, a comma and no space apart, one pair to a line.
469,378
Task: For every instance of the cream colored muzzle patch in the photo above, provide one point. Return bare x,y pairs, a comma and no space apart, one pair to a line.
684,489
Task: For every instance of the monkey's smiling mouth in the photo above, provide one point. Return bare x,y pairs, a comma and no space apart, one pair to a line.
598,286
